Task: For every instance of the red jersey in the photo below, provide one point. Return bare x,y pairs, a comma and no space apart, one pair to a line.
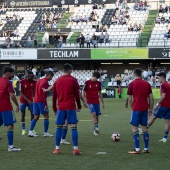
66,91
27,88
165,88
92,89
140,91
40,96
5,89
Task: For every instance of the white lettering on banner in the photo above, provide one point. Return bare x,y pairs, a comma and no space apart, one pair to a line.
64,54
24,54
33,3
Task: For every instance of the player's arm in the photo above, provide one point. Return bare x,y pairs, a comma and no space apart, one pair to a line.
126,104
130,95
130,99
151,103
76,93
49,89
46,85
54,100
101,99
12,95
83,100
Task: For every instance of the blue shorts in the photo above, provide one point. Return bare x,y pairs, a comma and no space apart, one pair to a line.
162,112
7,118
94,108
69,115
139,117
39,108
24,105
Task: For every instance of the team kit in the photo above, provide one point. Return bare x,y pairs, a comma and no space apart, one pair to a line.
66,102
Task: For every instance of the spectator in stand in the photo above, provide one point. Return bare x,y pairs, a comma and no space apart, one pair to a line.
82,41
112,79
124,2
145,75
88,40
162,18
29,42
103,5
149,73
130,28
60,42
126,78
117,4
153,78
94,40
41,26
145,4
35,42
95,6
16,33
101,37
118,80
106,38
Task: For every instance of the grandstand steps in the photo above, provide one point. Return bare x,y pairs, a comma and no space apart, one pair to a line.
74,37
64,21
145,35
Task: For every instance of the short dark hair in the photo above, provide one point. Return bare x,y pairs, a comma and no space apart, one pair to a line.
162,74
8,69
96,74
49,73
67,67
138,72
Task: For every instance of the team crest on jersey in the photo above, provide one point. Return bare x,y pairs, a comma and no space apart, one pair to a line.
90,86
25,86
96,85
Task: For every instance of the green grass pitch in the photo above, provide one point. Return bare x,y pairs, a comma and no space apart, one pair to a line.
37,154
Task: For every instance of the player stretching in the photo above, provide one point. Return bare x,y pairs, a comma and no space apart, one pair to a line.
91,94
162,108
27,87
40,105
66,92
138,93
7,116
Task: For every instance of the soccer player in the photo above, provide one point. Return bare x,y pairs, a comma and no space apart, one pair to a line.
162,108
66,92
91,94
27,87
40,105
139,91
7,116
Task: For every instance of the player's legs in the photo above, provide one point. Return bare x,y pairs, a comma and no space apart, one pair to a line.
135,118
36,112
143,122
167,127
151,120
64,133
8,120
72,120
60,121
46,125
23,108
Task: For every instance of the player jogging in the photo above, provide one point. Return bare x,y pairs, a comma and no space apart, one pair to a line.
91,94
162,108
27,87
7,116
138,93
65,93
40,105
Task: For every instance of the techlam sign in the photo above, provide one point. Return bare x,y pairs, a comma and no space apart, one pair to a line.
64,54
